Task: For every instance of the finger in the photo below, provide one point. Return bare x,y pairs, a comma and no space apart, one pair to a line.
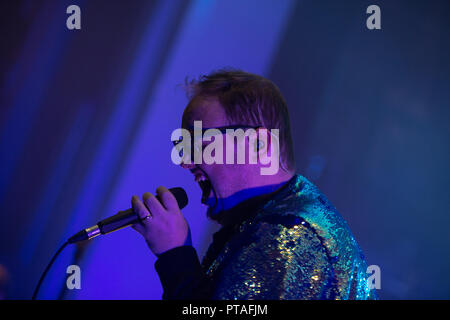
153,204
139,208
139,228
167,199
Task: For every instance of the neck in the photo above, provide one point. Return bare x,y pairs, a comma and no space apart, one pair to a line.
245,201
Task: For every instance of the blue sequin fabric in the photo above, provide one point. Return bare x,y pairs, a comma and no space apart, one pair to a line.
297,246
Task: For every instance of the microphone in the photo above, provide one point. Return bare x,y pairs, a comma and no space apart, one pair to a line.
122,219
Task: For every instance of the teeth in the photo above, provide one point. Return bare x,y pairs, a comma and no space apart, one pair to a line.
200,178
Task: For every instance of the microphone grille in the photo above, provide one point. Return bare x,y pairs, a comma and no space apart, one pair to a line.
180,195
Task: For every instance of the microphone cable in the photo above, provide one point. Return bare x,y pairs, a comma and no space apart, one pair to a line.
47,269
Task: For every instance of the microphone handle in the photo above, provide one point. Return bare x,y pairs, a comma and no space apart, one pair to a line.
128,217
122,219
118,221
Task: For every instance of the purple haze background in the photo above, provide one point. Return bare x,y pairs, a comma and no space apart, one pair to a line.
86,118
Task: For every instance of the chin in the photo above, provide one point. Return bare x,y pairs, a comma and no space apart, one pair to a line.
211,214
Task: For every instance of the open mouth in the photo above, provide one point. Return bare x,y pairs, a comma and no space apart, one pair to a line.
206,187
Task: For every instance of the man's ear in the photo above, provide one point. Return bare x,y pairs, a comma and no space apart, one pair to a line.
266,157
262,143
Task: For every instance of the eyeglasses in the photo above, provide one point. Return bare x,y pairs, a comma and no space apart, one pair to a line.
196,146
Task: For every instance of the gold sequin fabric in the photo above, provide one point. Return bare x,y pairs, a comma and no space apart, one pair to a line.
297,246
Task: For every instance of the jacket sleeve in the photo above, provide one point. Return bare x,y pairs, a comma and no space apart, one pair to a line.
277,260
181,275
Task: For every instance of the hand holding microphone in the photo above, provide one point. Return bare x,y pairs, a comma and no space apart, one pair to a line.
162,225
158,219
164,209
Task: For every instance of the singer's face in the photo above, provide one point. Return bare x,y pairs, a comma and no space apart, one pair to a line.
223,179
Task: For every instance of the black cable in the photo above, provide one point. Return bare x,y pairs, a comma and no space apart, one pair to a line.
47,269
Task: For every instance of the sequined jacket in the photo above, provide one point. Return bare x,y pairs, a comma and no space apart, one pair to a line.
296,246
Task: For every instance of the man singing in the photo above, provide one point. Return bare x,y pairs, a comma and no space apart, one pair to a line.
280,237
